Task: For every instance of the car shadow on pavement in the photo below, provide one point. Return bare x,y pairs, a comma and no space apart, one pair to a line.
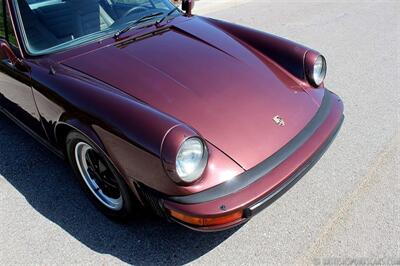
49,187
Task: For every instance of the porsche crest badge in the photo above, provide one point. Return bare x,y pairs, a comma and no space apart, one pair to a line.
279,121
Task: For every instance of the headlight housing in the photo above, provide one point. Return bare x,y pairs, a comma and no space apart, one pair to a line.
317,71
191,160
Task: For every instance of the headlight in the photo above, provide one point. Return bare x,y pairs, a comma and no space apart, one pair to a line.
318,72
191,160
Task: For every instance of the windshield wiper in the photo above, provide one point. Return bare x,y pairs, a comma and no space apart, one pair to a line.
136,22
167,15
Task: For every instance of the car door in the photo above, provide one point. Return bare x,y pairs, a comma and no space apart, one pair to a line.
16,98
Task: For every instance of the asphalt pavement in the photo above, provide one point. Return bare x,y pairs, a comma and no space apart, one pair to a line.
345,210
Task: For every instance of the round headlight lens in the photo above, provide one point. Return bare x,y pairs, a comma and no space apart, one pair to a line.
319,71
191,160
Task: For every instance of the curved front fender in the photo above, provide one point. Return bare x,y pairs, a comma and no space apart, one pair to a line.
289,55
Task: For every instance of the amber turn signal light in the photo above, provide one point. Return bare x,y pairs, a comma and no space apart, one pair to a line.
209,221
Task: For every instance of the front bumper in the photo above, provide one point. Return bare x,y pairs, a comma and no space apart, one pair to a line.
257,188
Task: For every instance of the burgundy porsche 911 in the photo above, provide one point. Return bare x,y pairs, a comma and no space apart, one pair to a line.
203,121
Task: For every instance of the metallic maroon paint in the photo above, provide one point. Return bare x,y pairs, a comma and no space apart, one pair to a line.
241,84
267,184
195,76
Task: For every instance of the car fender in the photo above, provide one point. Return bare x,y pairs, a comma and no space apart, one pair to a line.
287,54
68,98
130,132
66,124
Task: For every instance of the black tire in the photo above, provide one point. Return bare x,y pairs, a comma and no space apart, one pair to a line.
129,204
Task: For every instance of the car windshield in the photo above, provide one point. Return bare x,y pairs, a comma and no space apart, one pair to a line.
53,25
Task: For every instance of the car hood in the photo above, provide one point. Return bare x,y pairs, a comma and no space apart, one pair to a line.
202,76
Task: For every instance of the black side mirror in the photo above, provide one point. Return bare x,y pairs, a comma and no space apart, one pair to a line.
14,59
187,6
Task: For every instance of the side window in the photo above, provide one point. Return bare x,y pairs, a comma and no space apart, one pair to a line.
6,29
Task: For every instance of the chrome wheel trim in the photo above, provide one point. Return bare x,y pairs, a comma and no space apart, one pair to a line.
81,151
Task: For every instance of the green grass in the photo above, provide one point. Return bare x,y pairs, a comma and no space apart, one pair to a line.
12,38
1,19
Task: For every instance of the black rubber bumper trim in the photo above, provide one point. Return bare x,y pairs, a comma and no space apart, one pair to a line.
247,178
274,195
